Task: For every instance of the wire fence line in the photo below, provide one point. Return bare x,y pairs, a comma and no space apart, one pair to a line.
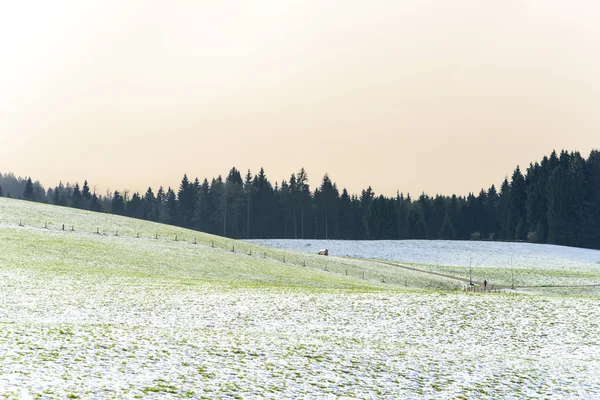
352,268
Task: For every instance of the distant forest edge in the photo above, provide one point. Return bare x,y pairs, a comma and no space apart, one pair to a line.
556,201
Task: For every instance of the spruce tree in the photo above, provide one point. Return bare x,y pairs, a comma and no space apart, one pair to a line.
85,191
415,223
28,192
77,198
95,204
118,203
447,230
558,204
186,201
304,191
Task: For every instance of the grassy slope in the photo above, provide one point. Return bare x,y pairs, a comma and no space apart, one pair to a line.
83,252
522,277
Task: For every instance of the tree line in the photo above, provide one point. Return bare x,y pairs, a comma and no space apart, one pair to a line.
554,201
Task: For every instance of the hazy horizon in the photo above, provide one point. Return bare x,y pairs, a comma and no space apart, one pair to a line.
397,95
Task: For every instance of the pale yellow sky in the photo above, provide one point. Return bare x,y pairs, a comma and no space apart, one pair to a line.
440,96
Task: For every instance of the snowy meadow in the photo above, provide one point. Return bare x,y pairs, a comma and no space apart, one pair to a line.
524,264
87,315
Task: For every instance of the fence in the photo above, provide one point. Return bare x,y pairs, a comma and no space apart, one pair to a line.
349,268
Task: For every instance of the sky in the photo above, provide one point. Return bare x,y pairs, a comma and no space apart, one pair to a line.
402,95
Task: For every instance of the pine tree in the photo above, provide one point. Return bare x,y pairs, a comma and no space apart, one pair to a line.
328,206
303,189
502,210
233,200
293,200
447,229
490,210
171,207
28,192
515,208
118,203
558,204
186,201
415,223
345,216
77,198
86,194
248,193
95,204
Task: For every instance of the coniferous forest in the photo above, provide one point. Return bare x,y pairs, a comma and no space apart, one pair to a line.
554,201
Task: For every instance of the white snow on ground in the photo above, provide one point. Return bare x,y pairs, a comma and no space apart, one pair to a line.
84,315
450,253
109,337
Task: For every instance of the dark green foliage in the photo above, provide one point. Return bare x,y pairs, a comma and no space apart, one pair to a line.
521,230
515,207
77,198
415,223
447,229
28,191
95,204
85,192
118,203
380,219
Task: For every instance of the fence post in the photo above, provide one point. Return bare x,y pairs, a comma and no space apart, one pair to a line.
195,241
72,228
63,228
175,237
156,236
116,233
363,274
97,231
304,263
20,222
346,271
233,248
138,235
45,225
284,259
212,243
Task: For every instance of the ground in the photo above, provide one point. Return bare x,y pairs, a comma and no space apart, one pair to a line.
84,315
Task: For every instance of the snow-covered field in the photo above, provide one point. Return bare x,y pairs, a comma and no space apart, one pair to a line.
117,337
450,253
87,315
532,264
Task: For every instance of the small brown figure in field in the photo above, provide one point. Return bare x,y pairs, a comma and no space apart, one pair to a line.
485,285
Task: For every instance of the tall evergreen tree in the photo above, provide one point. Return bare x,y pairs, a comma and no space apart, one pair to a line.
186,201
447,229
304,195
118,203
415,223
28,192
77,198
